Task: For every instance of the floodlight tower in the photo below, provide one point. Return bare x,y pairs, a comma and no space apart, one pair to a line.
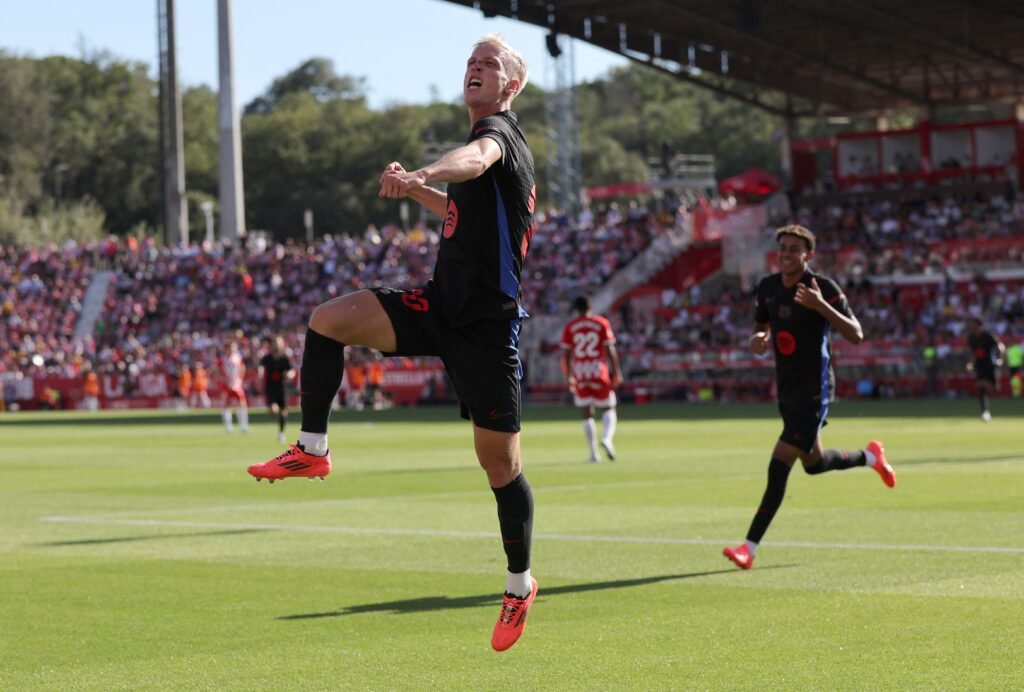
564,176
232,201
172,149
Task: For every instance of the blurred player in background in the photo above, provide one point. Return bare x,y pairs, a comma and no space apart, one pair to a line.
275,369
796,311
986,354
200,387
184,387
375,381
355,374
469,314
233,369
91,390
588,348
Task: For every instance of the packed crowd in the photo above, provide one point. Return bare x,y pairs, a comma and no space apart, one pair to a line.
166,308
914,268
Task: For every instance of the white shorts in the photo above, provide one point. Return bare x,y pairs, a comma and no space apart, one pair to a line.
607,402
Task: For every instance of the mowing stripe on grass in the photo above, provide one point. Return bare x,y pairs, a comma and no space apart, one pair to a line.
158,523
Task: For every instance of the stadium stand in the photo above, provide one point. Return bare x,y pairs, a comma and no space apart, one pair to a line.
915,267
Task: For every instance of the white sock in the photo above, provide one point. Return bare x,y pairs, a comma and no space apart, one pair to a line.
608,420
871,458
243,419
590,433
519,584
313,443
751,547
227,419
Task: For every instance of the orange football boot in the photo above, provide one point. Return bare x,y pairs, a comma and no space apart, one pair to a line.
512,620
293,463
881,465
740,555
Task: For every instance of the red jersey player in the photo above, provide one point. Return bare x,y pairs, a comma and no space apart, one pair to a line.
233,368
588,348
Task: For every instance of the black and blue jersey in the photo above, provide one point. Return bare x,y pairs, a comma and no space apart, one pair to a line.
487,230
801,338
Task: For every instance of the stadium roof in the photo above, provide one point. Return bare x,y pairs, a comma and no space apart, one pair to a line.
835,56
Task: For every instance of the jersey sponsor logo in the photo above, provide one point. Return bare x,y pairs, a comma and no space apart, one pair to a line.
785,343
414,300
451,219
587,369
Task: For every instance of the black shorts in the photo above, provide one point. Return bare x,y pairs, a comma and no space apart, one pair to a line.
802,423
275,395
481,359
985,373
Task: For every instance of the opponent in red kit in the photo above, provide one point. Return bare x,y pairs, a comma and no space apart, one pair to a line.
588,348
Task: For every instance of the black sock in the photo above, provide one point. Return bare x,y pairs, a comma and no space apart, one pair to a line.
515,517
983,400
281,418
323,366
837,460
778,474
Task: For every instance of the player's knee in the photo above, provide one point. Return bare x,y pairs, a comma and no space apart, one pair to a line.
815,468
324,319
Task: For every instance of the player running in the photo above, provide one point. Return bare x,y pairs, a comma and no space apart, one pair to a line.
800,308
588,346
986,354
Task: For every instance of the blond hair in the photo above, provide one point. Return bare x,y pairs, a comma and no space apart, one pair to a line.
513,62
797,231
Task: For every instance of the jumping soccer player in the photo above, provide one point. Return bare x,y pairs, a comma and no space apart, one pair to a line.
469,314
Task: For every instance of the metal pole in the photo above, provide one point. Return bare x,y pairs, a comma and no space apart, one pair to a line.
232,201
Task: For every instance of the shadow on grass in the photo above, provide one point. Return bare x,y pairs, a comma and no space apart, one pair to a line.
430,603
153,537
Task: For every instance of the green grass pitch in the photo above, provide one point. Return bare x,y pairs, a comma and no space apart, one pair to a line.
136,553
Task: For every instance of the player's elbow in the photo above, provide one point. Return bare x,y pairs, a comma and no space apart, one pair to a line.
855,337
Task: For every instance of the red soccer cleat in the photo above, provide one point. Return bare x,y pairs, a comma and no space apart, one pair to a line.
881,465
739,555
293,463
512,620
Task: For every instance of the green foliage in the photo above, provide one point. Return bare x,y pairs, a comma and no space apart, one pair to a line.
89,128
81,220
316,78
24,134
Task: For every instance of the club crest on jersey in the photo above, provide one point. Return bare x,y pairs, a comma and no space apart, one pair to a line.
785,343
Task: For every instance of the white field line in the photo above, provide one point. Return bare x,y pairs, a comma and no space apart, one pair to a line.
428,497
351,530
